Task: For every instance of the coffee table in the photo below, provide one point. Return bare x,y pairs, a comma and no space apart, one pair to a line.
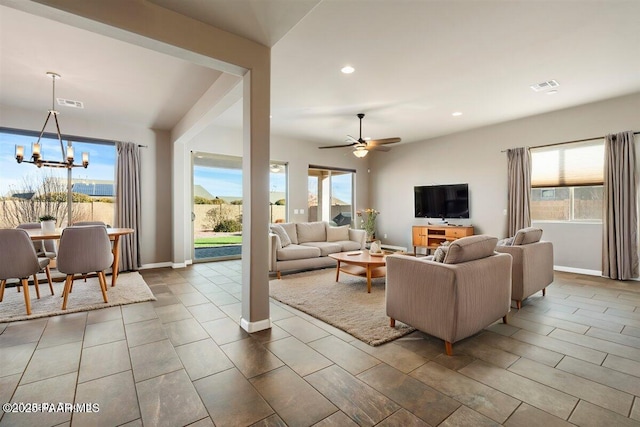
360,263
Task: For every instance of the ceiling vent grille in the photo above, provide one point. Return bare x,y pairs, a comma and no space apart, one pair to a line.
70,103
549,84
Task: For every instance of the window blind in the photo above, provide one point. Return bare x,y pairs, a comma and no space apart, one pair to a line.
568,165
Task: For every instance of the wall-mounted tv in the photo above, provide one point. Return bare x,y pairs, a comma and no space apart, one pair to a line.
442,201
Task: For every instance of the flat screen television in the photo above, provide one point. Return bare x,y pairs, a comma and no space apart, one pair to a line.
442,201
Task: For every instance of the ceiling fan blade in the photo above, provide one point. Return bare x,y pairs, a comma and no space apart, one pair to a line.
384,141
352,139
378,148
338,146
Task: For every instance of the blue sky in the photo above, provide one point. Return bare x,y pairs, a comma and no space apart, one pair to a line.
228,182
102,160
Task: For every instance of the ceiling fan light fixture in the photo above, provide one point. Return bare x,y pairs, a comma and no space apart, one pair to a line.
360,152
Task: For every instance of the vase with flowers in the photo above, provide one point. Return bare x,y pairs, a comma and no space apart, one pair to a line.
368,222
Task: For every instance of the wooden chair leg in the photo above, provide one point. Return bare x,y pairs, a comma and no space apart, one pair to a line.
27,300
48,272
2,283
65,293
36,285
544,291
519,304
102,279
448,347
278,276
392,322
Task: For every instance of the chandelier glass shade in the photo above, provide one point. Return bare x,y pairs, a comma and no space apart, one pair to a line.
68,157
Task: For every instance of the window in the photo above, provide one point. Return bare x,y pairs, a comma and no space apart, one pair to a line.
331,195
278,192
566,182
27,192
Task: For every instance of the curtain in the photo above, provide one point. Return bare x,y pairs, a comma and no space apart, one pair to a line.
620,225
128,203
519,191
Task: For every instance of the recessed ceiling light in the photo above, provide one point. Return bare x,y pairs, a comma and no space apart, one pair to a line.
348,69
552,92
456,114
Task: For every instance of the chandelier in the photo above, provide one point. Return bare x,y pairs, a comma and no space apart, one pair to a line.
36,149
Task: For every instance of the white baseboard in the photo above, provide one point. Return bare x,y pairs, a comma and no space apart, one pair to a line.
578,270
252,327
179,265
189,262
155,265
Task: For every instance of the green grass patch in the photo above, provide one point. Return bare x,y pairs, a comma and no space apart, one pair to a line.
203,242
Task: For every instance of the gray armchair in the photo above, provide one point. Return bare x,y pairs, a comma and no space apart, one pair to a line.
83,250
44,249
454,299
532,263
18,260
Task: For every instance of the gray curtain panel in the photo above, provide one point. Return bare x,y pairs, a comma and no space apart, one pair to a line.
519,189
620,228
128,203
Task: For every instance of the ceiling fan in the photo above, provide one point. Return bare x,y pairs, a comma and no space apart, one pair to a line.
362,147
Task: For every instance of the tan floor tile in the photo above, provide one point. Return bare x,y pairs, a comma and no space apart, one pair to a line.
590,415
250,357
173,313
492,403
552,322
528,325
116,395
402,418
538,395
300,357
103,332
394,355
468,417
8,385
138,312
301,329
53,361
271,421
621,364
185,331
601,375
18,333
102,360
528,416
104,315
338,419
598,344
344,355
489,354
274,333
613,337
13,360
224,331
153,359
587,318
423,401
454,362
231,399
206,312
520,348
635,411
144,332
574,385
560,346
203,358
295,401
356,399
628,330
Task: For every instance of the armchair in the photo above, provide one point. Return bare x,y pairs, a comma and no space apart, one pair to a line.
532,263
454,299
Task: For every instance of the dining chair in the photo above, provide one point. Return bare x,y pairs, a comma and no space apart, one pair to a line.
44,249
83,250
18,260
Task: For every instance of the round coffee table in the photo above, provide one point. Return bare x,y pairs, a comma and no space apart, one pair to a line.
360,263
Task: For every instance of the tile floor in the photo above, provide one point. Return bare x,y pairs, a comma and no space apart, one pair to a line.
572,357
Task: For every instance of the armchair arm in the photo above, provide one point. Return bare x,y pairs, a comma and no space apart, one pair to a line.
359,236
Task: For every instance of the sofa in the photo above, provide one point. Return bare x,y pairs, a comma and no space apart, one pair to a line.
532,263
306,245
453,299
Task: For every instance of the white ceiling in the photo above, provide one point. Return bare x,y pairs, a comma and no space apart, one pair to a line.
416,63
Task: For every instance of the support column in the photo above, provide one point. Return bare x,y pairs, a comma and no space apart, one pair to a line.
255,201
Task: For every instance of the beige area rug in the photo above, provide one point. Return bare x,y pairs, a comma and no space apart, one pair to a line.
130,288
345,304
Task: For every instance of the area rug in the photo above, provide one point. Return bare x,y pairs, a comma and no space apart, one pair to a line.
344,304
130,288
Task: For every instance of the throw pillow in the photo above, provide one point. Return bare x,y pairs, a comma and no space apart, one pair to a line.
505,242
441,252
284,237
290,228
527,235
337,234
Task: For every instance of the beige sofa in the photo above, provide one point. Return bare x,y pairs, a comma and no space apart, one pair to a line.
455,298
532,263
306,245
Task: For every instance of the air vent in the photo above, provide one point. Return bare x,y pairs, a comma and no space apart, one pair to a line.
540,87
70,103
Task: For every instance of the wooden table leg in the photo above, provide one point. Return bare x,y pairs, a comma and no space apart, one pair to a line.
369,278
116,259
338,271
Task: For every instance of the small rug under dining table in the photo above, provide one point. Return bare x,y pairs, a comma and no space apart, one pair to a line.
344,304
130,288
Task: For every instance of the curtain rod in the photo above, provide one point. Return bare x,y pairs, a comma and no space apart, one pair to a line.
567,142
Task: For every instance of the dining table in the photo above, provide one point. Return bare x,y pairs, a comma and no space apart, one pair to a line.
114,235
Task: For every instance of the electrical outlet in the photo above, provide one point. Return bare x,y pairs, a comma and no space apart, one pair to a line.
301,211
385,235
296,211
504,212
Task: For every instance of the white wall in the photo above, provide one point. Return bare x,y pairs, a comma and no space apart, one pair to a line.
475,157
